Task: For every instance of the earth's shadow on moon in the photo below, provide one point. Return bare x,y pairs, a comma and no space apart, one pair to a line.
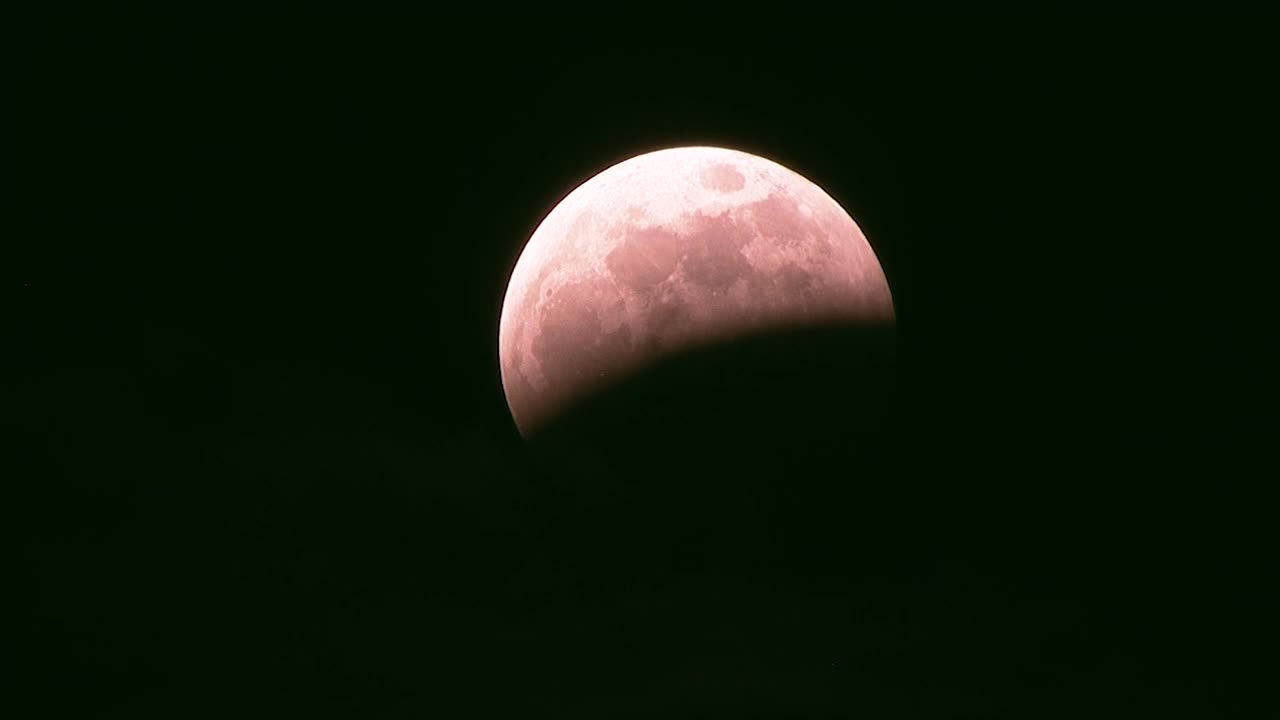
788,481
730,453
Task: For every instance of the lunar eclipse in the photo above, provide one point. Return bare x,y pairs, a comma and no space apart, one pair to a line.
670,250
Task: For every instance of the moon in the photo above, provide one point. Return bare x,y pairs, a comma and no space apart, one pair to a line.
668,251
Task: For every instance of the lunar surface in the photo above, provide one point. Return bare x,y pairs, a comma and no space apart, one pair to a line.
667,251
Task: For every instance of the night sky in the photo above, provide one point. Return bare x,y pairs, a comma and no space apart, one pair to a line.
264,466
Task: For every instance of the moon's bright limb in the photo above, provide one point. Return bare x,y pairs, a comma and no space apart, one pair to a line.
668,250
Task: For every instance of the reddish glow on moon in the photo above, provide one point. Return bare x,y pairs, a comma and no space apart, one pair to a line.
670,250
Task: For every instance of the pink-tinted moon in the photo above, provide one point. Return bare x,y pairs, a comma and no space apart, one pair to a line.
669,250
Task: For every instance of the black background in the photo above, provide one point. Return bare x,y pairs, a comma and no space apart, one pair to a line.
265,466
